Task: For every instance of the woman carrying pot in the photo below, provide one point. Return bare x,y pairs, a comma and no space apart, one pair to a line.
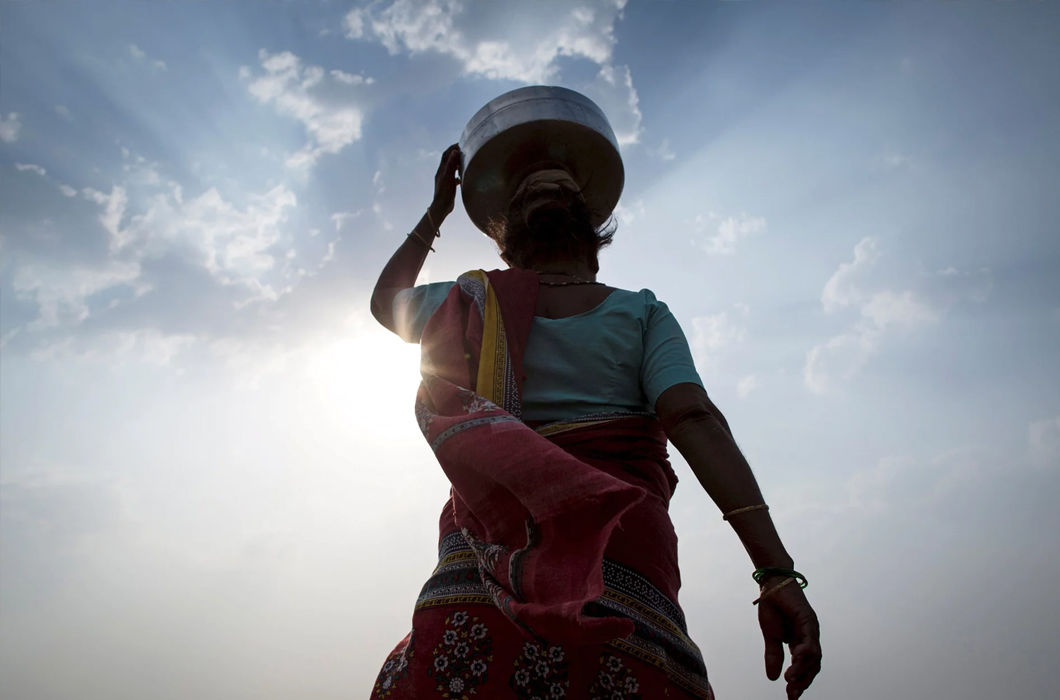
548,397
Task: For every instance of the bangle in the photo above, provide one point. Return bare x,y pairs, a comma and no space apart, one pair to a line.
425,244
791,574
771,591
745,509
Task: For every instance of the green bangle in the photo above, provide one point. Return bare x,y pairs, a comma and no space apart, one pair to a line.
764,572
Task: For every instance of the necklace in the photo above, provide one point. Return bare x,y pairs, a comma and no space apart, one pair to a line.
568,284
574,280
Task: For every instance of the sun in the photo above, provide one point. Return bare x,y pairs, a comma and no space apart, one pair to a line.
367,376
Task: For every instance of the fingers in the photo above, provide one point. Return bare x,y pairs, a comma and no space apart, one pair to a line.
451,157
773,634
450,161
805,664
774,658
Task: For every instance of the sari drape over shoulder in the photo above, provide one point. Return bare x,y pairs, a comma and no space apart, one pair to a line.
563,530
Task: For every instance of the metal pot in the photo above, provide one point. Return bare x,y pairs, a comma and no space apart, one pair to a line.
533,128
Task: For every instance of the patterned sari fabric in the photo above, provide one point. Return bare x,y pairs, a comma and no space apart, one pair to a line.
557,574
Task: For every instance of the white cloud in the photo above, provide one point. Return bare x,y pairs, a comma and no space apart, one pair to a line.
838,358
234,243
320,101
746,385
1044,440
113,211
613,91
61,291
230,242
139,54
886,309
67,190
22,167
663,151
626,215
517,42
497,41
711,336
843,355
881,311
350,78
841,289
895,161
64,112
715,332
720,236
9,127
353,23
340,218
148,346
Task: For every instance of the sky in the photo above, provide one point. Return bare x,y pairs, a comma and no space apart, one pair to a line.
211,480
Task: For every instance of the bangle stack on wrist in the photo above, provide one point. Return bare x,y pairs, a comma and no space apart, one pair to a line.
421,239
789,575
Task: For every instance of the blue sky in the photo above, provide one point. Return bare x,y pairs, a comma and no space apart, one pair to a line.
211,481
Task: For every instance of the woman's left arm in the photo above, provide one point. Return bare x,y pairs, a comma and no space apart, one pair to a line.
404,265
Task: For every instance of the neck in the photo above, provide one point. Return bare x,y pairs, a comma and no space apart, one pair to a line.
579,270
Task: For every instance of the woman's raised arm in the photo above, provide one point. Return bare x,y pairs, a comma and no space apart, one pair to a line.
699,432
404,265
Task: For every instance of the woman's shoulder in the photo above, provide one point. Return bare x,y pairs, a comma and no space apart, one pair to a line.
645,297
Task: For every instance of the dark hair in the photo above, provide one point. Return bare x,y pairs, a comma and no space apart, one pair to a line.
564,229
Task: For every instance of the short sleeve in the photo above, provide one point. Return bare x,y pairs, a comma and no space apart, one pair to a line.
414,306
667,357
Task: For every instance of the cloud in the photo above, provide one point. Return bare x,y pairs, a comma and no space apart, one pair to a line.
896,161
515,42
1044,441
498,42
746,385
350,78
340,218
61,291
663,151
146,345
139,54
627,214
613,92
720,236
887,309
838,358
321,101
841,290
232,243
9,127
711,336
64,112
157,239
113,210
882,311
22,167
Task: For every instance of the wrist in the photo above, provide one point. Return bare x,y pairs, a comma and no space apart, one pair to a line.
437,212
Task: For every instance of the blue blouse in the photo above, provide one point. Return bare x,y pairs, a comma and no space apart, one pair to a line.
618,356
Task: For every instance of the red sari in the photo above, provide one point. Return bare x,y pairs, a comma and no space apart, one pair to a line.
557,574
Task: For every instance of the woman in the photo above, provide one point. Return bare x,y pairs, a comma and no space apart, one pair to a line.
547,399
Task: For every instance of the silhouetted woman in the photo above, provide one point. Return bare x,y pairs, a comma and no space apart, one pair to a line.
547,398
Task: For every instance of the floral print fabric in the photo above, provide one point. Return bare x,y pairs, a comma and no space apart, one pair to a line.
462,657
540,672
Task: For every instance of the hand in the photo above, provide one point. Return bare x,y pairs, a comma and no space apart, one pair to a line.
786,617
445,182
